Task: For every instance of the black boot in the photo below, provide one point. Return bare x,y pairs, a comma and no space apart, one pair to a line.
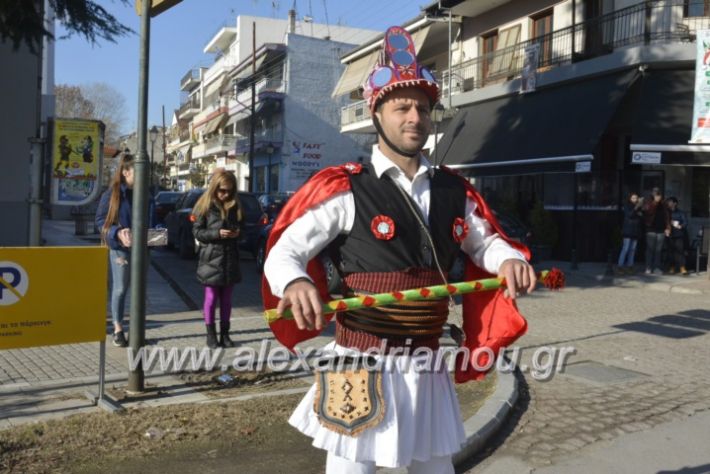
211,336
224,339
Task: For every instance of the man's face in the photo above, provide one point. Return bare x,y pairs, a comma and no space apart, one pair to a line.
405,118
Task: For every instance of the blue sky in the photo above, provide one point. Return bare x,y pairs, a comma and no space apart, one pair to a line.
179,35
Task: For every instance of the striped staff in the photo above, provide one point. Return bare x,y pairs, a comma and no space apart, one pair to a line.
553,279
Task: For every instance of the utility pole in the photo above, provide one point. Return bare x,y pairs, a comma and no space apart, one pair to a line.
252,119
139,248
165,156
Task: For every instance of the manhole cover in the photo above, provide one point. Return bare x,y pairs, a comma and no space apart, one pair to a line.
596,372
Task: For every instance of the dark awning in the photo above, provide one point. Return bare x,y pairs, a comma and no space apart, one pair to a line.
663,121
547,131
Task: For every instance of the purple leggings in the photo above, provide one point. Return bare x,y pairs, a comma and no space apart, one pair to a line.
223,294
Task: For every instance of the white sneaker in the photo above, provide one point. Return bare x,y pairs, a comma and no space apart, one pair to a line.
648,271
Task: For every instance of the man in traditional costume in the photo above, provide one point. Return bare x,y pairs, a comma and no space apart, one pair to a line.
393,224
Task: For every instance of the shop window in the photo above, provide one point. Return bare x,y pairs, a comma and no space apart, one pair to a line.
700,198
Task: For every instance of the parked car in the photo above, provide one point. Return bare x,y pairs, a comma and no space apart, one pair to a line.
180,226
165,203
273,203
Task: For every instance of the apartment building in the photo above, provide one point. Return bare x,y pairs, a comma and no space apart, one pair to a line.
610,112
292,66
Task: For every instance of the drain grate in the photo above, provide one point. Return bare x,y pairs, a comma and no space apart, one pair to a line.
597,372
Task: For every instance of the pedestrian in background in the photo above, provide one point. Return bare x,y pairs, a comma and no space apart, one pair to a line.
678,237
113,217
658,227
217,222
630,231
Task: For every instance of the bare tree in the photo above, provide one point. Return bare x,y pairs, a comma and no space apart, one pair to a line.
71,103
109,107
96,101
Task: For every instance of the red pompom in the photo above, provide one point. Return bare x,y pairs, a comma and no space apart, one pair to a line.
555,279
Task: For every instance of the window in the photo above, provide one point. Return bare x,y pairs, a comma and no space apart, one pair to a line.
700,197
695,8
505,50
542,31
489,42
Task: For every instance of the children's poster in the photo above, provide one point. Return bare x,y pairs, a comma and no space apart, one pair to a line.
76,161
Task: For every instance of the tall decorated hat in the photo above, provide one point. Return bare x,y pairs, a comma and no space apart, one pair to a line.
398,67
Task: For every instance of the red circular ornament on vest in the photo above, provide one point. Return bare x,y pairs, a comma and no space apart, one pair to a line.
382,227
460,230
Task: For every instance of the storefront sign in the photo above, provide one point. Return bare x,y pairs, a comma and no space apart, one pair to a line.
52,295
646,158
701,110
306,160
77,158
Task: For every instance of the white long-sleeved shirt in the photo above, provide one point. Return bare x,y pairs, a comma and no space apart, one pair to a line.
308,235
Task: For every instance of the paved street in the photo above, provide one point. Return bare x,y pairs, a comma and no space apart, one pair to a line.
638,378
659,341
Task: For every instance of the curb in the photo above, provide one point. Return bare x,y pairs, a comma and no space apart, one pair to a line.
488,420
485,423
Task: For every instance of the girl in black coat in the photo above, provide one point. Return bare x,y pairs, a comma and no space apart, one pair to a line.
631,230
217,221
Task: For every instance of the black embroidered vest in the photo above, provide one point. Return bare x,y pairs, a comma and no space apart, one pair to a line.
361,251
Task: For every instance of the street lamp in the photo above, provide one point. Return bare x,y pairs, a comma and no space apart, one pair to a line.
437,115
153,133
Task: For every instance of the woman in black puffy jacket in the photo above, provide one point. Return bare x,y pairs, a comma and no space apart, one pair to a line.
217,223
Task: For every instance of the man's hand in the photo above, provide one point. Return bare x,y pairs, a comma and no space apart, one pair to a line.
519,276
306,306
125,237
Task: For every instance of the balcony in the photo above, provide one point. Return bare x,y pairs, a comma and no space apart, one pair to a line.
218,144
264,88
354,113
262,138
644,23
190,107
190,80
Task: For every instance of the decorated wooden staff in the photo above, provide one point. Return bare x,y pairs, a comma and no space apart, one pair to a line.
553,279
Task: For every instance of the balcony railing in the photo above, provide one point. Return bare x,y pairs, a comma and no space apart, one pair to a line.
190,80
261,139
354,113
266,84
190,107
644,23
220,143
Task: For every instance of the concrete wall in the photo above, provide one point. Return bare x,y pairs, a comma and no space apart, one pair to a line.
20,121
273,30
312,139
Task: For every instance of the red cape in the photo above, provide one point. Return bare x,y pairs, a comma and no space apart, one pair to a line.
490,320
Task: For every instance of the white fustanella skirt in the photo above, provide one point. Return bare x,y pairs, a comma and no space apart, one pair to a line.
422,418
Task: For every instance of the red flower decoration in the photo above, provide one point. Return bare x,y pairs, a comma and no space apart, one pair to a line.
382,227
460,230
353,168
555,279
